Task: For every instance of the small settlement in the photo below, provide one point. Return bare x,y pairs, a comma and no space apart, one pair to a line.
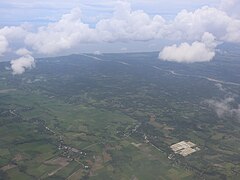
184,148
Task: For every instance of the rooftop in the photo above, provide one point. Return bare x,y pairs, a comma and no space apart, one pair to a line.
184,148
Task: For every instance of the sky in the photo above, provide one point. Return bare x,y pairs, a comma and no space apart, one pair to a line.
15,12
181,30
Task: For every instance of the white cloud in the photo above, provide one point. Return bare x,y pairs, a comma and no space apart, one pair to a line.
220,87
3,45
70,31
20,65
14,32
225,108
136,25
23,52
10,37
61,35
127,24
232,7
195,52
190,25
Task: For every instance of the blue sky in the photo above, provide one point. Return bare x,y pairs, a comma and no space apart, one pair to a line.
15,12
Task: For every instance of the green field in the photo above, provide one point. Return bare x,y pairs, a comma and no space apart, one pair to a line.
84,119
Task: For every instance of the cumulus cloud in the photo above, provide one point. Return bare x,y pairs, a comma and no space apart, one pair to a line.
14,32
23,52
10,37
63,34
198,51
231,7
191,25
26,61
136,25
70,31
3,45
127,24
225,107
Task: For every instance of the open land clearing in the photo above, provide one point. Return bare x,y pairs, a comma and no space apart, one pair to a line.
60,161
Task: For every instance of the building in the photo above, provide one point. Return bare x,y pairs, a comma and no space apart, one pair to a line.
184,148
